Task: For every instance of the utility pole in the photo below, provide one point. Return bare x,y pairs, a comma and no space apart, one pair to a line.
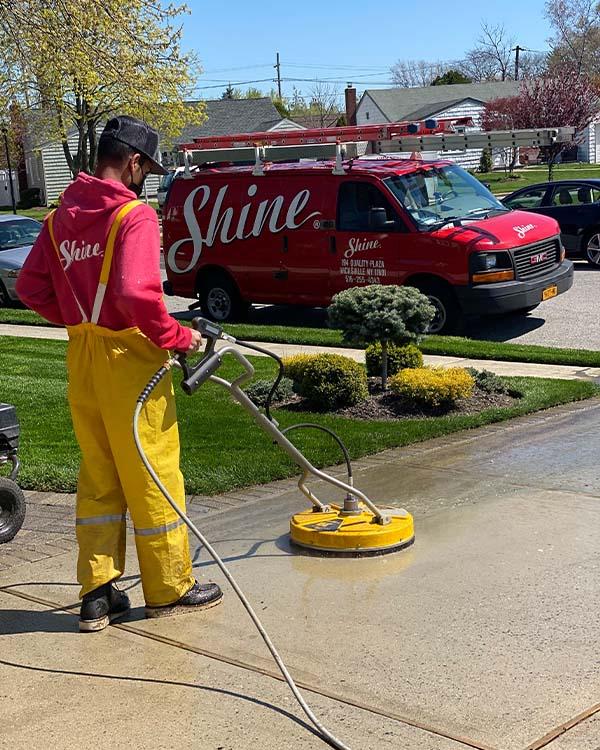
517,49
10,174
277,67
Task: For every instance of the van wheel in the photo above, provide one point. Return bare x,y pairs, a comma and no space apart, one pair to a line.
448,316
12,509
220,299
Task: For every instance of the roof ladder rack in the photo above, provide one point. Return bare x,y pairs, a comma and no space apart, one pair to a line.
447,134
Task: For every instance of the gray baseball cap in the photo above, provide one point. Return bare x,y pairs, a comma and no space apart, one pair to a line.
138,135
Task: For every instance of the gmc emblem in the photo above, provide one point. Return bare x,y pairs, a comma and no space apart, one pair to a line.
539,258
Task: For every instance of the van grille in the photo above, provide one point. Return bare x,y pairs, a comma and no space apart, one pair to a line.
536,259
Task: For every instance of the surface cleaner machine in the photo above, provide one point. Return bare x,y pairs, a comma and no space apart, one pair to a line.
356,527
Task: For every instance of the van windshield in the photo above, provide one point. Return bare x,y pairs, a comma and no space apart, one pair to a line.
435,196
166,181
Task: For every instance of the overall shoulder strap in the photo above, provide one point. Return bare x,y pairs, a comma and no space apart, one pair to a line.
50,225
108,257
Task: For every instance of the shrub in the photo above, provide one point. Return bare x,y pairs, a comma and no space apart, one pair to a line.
30,198
487,381
294,366
433,386
399,358
387,314
260,389
485,162
332,381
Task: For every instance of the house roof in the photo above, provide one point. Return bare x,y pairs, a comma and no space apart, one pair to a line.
314,120
224,117
230,116
418,103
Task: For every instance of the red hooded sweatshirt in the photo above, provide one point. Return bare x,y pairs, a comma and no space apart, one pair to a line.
134,295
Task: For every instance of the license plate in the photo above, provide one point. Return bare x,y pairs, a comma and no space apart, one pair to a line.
550,292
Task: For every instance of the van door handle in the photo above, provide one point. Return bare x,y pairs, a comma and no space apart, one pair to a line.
332,244
285,243
282,275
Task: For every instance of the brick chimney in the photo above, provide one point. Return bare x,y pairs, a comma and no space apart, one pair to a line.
350,97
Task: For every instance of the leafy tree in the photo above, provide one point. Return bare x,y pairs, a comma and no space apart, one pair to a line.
76,63
232,93
449,77
561,98
381,313
576,39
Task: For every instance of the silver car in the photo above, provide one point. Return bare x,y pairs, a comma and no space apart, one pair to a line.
17,235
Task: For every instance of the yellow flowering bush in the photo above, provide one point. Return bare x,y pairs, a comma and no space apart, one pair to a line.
433,386
294,366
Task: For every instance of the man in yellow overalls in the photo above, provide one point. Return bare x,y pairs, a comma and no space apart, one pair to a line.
95,268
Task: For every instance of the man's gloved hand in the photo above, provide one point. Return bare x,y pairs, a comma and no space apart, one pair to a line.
195,343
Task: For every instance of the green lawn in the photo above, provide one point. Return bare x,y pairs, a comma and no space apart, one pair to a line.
450,346
222,447
500,183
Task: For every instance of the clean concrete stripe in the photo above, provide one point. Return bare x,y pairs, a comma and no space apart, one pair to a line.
98,520
159,529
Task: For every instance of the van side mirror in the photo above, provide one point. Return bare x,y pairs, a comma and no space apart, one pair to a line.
378,220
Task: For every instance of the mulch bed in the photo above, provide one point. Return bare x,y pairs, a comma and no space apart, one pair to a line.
387,406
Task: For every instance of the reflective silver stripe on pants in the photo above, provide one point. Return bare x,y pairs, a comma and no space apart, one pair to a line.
159,529
96,520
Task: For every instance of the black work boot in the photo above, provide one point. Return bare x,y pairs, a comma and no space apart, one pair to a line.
200,596
101,606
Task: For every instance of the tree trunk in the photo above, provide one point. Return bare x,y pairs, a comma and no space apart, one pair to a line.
65,143
384,364
93,145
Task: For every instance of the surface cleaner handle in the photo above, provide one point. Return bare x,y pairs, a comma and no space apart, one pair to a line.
195,375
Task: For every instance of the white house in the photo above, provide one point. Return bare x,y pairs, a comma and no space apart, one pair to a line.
47,168
456,100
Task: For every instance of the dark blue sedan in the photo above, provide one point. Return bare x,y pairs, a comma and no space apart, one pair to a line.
575,204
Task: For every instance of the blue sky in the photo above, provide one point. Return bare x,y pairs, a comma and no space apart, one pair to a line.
237,41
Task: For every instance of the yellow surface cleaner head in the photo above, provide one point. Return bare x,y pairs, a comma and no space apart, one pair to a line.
356,533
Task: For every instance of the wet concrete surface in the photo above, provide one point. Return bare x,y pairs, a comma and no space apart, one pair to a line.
484,631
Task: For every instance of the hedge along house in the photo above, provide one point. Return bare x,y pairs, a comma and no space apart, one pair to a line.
47,168
456,100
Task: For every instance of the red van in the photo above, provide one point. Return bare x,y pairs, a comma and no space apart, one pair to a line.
301,232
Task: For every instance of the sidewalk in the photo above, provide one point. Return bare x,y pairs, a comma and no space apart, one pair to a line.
567,372
477,636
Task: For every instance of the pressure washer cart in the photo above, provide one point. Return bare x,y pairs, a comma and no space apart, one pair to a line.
12,499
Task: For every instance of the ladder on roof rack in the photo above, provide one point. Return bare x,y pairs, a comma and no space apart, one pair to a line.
448,134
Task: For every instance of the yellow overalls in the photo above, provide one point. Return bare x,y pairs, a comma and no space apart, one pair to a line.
106,371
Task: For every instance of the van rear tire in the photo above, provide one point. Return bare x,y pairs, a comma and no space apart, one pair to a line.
220,299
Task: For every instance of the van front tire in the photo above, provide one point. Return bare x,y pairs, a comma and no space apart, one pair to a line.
220,299
448,315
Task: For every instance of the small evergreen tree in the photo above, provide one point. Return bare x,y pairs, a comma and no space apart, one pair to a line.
384,314
485,162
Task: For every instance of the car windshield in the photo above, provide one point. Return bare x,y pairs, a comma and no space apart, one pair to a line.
437,195
18,233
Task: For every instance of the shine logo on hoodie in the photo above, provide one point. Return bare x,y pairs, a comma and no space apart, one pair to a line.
72,251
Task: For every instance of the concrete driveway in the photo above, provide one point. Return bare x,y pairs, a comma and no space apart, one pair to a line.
481,635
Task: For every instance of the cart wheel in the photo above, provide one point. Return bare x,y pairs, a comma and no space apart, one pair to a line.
12,509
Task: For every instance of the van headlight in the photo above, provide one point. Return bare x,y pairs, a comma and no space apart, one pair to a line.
487,268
